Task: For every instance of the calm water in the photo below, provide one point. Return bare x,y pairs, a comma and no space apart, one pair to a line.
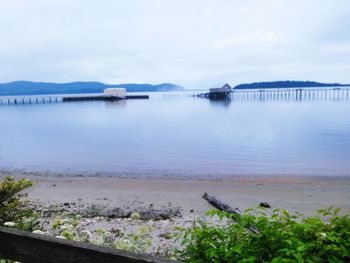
173,134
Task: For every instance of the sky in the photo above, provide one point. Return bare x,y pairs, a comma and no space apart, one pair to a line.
196,44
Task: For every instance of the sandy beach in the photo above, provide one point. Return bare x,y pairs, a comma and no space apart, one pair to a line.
295,193
162,206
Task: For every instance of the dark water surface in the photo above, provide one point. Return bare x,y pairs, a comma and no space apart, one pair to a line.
173,134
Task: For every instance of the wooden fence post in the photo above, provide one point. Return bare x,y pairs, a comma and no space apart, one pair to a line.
28,247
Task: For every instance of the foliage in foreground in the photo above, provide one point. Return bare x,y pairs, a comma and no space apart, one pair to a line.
283,237
12,207
65,227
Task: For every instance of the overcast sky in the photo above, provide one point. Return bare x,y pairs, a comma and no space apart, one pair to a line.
195,43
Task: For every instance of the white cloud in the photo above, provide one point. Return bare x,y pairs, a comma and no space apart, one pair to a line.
194,43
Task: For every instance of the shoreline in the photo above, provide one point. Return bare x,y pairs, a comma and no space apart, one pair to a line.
303,194
162,174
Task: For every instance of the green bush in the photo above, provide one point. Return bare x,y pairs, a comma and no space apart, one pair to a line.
12,207
282,237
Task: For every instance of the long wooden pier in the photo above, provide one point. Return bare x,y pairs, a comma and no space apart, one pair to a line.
8,100
39,99
297,94
331,93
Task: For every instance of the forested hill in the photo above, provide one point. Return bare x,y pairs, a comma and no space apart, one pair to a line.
286,84
36,88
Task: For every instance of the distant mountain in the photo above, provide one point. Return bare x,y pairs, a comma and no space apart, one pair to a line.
36,88
287,84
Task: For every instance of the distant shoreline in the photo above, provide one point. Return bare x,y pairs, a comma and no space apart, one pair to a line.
288,84
20,88
25,88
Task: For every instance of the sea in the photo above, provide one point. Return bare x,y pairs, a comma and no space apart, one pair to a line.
176,134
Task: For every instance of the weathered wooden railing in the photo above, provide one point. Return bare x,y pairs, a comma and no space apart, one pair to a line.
28,247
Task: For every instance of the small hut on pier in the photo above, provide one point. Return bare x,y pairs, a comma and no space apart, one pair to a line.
115,92
220,93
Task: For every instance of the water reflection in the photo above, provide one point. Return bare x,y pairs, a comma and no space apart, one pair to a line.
120,104
220,103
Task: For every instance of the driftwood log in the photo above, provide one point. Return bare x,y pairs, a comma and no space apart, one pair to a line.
220,205
225,207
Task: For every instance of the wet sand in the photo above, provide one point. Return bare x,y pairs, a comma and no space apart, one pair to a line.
295,193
